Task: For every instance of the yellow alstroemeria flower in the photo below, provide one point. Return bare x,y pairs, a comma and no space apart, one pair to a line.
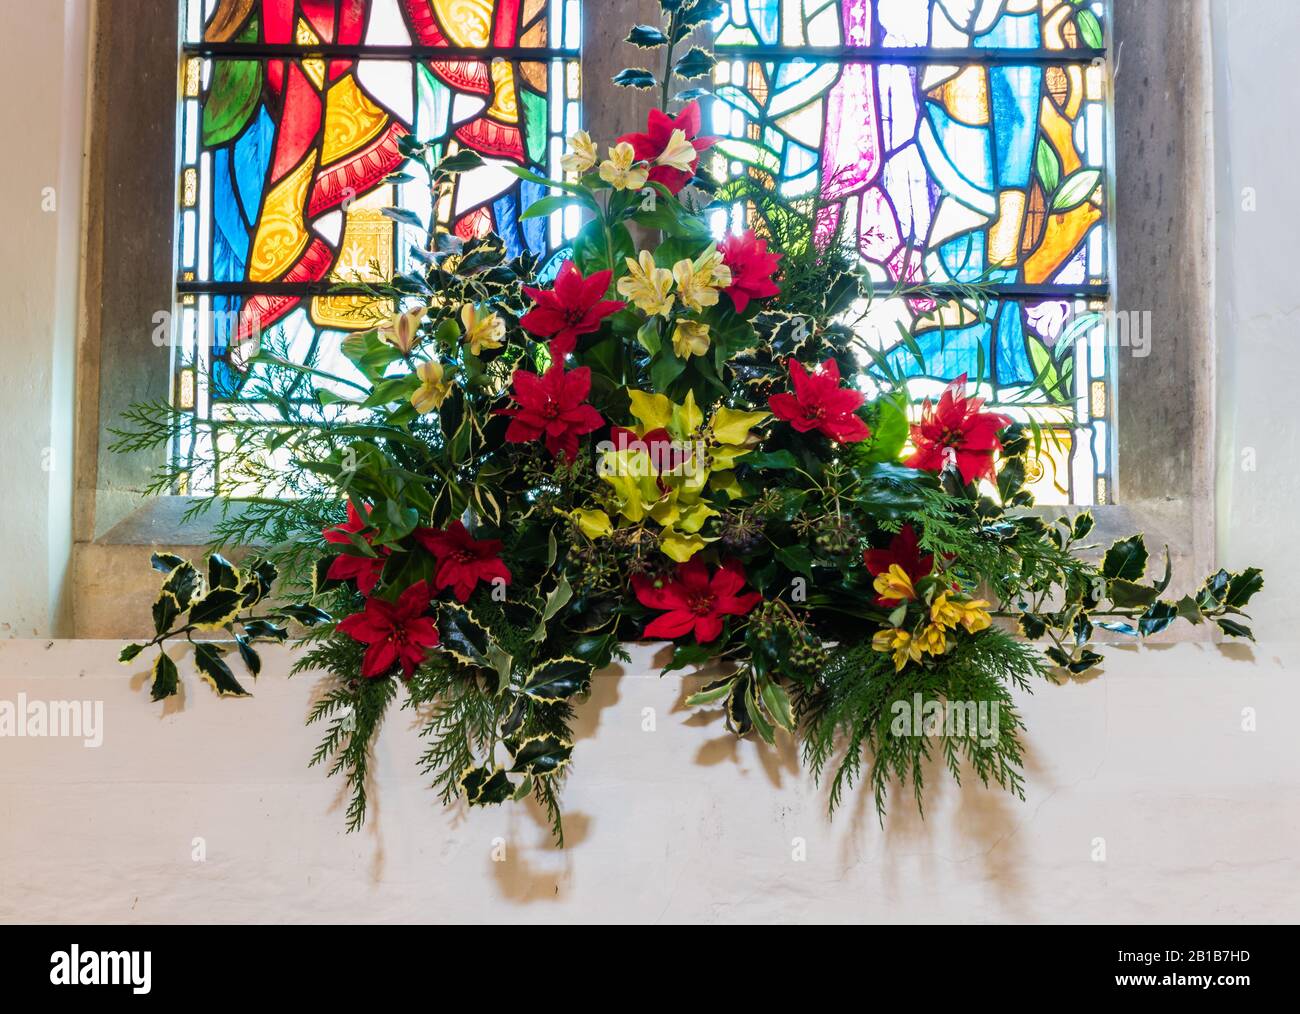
581,156
933,640
433,388
905,648
679,153
690,338
483,329
648,287
972,613
403,331
895,584
975,616
700,281
620,170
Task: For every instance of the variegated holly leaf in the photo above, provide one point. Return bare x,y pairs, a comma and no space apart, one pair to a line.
540,755
221,573
483,786
216,609
212,667
558,679
166,680
182,582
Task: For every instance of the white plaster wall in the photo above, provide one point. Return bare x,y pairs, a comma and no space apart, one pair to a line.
1258,298
43,79
1200,819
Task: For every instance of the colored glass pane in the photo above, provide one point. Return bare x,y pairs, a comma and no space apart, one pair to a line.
293,114
951,142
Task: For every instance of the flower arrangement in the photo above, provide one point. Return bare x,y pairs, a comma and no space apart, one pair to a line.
664,441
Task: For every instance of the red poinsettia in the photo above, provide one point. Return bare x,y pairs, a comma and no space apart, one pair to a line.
552,407
659,131
366,569
574,307
956,430
905,551
463,561
752,268
820,403
694,601
396,632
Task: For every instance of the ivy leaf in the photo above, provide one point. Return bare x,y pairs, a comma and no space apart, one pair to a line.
558,679
212,667
779,460
696,63
646,37
635,77
166,680
482,786
797,558
1126,560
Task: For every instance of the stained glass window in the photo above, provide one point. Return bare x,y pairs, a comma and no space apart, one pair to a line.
958,141
292,118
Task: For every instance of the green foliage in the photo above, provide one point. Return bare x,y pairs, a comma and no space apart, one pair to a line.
851,719
420,440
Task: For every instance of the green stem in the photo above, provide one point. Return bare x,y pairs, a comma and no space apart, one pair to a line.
668,63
